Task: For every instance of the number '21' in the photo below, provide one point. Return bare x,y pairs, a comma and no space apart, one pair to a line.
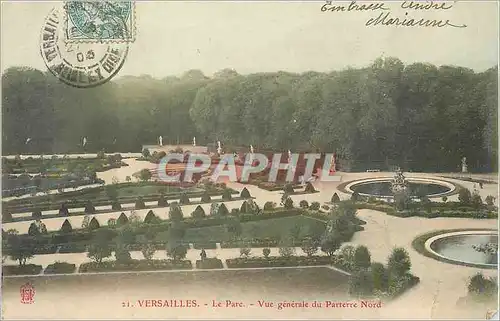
89,55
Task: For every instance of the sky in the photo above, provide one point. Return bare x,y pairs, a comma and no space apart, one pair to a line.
173,37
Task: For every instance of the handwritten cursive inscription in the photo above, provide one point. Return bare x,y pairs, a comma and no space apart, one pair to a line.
353,6
385,17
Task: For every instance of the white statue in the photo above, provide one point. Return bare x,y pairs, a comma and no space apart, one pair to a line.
160,140
84,141
251,149
464,165
194,141
219,148
289,155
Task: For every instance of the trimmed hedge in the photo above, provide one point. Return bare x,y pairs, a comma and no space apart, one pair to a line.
136,265
28,269
266,242
209,263
45,249
205,245
277,261
60,267
73,248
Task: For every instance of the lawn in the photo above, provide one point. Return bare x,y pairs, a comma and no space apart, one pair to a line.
270,228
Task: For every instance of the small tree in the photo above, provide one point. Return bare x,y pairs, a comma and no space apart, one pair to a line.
309,246
139,203
66,227
380,276
89,208
162,202
288,203
266,251
111,222
309,188
362,258
444,199
145,175
85,222
184,199
148,251
361,284
464,196
176,251
226,195
490,200
33,230
245,250
205,198
122,254
304,204
245,193
214,209
94,224
347,255
6,217
399,262
175,213
116,206
21,248
198,213
134,218
36,215
286,248
122,220
335,198
314,206
330,244
63,210
222,210
355,197
146,153
100,247
479,286
476,200
151,218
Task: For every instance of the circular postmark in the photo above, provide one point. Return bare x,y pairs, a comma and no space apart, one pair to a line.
100,20
81,65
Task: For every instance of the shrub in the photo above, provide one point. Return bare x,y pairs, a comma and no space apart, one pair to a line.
33,230
335,198
444,199
63,210
309,246
175,213
139,203
330,244
235,212
209,263
362,257
399,262
361,284
288,203
325,207
184,199
151,218
476,200
112,222
122,255
6,217
266,251
245,193
122,219
288,188
99,248
286,249
355,197
303,204
479,286
245,250
60,267
269,206
94,224
490,200
222,210
36,214
226,195
176,251
148,251
314,206
162,202
464,196
89,208
380,277
146,153
309,188
198,213
66,227
116,206
205,198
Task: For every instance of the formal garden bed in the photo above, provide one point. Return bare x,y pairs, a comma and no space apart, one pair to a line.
60,268
209,263
135,265
27,269
278,261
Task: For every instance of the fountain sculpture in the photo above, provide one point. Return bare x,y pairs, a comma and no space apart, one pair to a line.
399,184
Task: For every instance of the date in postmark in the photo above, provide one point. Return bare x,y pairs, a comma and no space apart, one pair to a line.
99,21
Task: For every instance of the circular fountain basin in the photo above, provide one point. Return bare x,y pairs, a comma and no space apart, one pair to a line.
458,248
381,187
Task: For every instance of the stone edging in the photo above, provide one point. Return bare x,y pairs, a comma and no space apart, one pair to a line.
346,187
432,239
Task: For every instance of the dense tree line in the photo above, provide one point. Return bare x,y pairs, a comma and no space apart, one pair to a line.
419,116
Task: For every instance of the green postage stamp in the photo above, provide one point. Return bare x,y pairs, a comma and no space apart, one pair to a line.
100,21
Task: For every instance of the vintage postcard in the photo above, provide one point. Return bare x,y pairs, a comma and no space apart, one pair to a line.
249,160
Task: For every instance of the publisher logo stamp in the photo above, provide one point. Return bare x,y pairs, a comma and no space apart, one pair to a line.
27,292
